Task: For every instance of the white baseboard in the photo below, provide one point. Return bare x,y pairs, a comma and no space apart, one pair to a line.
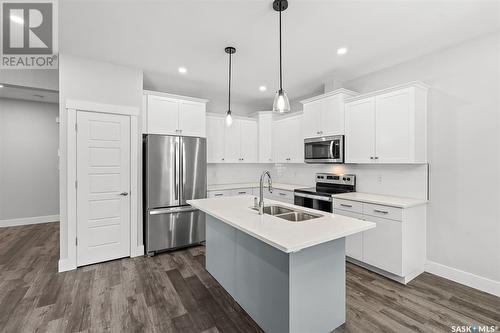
29,220
66,265
137,252
465,278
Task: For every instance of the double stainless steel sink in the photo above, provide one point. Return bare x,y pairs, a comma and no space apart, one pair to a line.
288,214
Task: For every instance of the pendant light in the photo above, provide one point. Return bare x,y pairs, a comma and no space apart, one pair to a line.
281,103
229,118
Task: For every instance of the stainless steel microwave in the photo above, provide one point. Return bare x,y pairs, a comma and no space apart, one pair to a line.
328,149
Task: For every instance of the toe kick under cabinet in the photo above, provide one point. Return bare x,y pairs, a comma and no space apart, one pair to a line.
396,247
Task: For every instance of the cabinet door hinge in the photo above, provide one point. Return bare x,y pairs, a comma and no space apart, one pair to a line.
76,127
76,241
76,183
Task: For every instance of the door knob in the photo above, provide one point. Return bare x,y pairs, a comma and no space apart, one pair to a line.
124,194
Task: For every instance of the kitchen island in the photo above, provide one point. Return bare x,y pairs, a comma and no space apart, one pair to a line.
288,276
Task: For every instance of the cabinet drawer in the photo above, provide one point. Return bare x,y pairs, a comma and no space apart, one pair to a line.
385,212
283,195
348,205
218,194
242,191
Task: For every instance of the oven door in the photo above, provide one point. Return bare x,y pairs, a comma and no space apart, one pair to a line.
317,202
324,150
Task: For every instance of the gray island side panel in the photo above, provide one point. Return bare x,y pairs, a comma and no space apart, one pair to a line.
282,292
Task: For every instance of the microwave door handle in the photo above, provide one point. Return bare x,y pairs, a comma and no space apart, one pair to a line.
331,149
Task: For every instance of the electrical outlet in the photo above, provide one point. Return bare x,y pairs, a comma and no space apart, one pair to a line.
379,179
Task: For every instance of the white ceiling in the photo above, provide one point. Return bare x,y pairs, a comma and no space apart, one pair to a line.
29,94
160,36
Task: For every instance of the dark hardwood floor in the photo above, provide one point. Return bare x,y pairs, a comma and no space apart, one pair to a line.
173,293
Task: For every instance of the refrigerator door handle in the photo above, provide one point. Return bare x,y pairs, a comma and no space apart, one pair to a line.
181,176
176,190
183,209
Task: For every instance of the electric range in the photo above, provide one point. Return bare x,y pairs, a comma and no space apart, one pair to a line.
321,196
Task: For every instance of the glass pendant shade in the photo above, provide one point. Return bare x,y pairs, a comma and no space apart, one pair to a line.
229,118
281,103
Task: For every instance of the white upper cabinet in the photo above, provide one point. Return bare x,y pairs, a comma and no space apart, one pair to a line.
288,142
265,137
324,114
249,141
192,117
174,115
232,142
388,126
360,131
237,143
215,139
162,115
312,118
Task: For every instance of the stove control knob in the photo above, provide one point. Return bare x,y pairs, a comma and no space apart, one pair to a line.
348,179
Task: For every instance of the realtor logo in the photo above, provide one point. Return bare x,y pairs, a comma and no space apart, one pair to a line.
29,38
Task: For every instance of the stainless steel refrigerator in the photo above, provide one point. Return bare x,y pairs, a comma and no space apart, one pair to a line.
175,170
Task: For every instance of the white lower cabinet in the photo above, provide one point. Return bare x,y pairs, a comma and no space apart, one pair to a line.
283,195
395,247
353,243
382,245
218,194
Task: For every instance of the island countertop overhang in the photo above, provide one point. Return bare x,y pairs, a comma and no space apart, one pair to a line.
282,234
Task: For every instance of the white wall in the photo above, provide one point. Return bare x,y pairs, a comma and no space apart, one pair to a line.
463,215
33,78
29,178
94,81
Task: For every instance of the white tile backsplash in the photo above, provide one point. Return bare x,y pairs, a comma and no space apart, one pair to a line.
398,180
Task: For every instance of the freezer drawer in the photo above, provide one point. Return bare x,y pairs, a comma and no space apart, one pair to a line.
170,228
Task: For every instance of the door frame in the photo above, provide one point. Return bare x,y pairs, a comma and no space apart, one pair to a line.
72,107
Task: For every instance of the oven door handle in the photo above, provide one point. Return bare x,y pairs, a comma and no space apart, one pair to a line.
315,197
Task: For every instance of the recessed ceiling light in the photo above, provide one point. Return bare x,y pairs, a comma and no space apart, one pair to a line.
1,85
342,51
262,88
182,70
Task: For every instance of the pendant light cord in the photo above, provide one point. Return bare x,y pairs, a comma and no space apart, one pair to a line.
281,70
229,101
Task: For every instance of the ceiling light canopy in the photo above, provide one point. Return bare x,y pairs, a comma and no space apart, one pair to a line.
229,118
281,103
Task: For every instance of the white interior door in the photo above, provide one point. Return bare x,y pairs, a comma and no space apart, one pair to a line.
103,186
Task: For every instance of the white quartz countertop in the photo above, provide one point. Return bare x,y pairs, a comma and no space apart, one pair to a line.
233,186
385,200
282,234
